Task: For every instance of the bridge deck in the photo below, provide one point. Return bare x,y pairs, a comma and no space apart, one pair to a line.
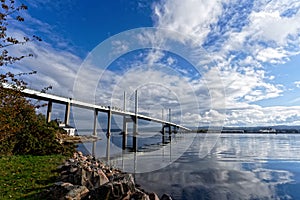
63,100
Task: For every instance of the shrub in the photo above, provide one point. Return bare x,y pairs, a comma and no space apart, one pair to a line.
25,132
21,130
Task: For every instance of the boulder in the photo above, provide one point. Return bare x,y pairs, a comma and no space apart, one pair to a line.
77,193
127,181
139,195
73,169
102,193
59,190
79,178
101,178
84,177
165,197
153,196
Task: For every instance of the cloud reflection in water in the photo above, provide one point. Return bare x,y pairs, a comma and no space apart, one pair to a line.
237,168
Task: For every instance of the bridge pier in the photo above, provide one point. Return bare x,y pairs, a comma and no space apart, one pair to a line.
95,122
135,124
163,133
49,111
67,113
108,122
163,126
170,127
125,133
163,130
134,137
124,138
108,133
175,129
128,116
170,132
94,148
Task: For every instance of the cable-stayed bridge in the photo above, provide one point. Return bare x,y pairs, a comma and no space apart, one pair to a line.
127,116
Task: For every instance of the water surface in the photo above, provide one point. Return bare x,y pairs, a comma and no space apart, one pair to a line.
203,166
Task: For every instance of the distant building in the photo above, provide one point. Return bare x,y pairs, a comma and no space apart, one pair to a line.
269,130
71,131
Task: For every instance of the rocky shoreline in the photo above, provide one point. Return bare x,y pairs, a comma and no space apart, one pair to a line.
78,138
85,177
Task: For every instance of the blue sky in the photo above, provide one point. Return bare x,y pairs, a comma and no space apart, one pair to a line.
252,48
85,25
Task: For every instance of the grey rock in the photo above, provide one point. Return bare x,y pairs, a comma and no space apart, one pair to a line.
73,169
153,196
102,193
99,178
90,158
64,185
139,195
84,177
165,197
77,193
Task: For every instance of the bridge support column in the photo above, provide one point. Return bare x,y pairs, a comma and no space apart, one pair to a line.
135,124
95,122
108,133
175,129
163,130
108,123
94,148
67,113
163,133
49,111
124,142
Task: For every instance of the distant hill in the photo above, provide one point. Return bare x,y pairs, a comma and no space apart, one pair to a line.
255,129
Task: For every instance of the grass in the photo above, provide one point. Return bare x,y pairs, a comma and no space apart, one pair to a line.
25,177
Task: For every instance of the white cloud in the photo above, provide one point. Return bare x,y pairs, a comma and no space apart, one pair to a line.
189,17
267,24
272,55
247,85
254,115
243,38
270,25
54,67
171,61
240,46
154,56
297,83
157,90
119,46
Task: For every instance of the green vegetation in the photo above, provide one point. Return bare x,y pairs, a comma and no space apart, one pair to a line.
22,131
25,177
24,135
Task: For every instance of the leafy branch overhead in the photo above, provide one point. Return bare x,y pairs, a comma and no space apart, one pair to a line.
9,11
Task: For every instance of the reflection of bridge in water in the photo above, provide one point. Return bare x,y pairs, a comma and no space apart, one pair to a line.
127,116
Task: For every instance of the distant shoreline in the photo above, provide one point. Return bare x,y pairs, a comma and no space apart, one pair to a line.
244,133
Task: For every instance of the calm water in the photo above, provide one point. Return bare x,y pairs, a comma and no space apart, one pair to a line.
227,166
